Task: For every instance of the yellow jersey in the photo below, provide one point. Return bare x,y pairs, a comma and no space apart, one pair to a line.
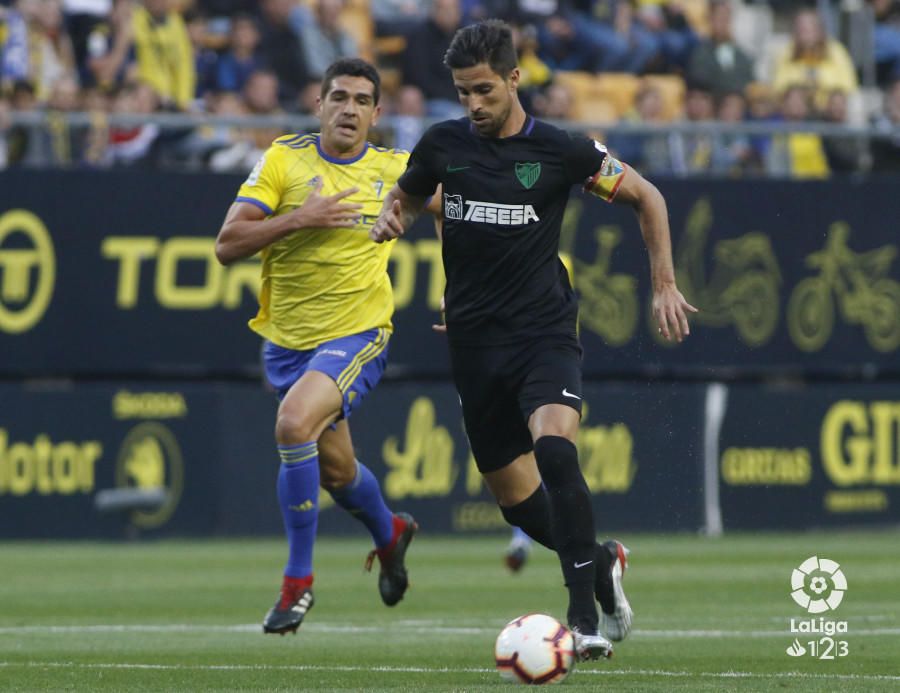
319,284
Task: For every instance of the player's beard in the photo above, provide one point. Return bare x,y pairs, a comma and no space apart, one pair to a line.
494,124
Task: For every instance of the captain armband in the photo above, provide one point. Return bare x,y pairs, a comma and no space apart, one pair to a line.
605,183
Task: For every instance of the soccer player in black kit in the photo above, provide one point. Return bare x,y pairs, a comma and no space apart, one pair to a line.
511,312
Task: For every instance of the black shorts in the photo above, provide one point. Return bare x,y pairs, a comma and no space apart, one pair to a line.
500,387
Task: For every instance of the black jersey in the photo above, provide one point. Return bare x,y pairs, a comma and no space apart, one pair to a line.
503,206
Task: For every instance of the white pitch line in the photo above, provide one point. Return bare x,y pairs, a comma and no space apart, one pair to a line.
442,670
415,627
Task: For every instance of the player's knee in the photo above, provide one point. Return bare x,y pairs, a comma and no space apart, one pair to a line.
557,460
558,428
292,428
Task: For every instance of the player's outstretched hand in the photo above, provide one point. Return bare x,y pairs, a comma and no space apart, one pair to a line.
670,311
329,211
389,224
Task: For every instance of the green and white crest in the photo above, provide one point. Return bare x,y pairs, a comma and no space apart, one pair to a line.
528,173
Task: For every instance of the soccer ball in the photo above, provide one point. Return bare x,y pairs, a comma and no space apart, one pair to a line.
536,649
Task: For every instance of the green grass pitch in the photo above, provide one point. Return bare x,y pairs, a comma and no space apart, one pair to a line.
711,615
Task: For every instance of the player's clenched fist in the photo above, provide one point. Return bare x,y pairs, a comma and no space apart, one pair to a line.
328,211
389,224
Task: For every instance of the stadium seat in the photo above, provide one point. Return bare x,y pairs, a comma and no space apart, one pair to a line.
595,110
579,83
619,89
602,98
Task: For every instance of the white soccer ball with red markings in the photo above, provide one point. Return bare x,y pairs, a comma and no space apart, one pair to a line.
535,649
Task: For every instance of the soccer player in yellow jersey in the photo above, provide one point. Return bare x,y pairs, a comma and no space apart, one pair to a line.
325,309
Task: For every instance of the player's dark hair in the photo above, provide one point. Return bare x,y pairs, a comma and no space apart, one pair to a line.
352,67
488,42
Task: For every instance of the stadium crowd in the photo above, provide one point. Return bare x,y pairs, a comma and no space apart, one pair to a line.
593,61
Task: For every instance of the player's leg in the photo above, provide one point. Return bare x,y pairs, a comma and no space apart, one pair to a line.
310,404
550,398
518,551
525,505
521,498
356,490
554,428
351,484
355,365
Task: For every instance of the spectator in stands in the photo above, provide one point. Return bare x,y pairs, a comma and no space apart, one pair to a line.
648,153
15,53
4,129
323,39
533,72
227,8
242,58
206,58
236,148
397,17
308,101
814,60
845,153
423,61
82,17
261,93
37,47
620,42
165,58
408,112
886,39
64,144
667,22
797,154
97,103
718,62
133,145
734,155
692,153
109,48
567,44
886,149
281,49
261,98
57,144
20,139
761,108
554,103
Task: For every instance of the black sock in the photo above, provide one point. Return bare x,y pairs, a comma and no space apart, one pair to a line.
532,516
571,525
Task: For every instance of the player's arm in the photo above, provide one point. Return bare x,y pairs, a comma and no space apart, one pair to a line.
669,306
407,198
247,230
398,212
433,207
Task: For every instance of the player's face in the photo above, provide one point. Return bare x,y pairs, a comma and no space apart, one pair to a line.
486,96
347,112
